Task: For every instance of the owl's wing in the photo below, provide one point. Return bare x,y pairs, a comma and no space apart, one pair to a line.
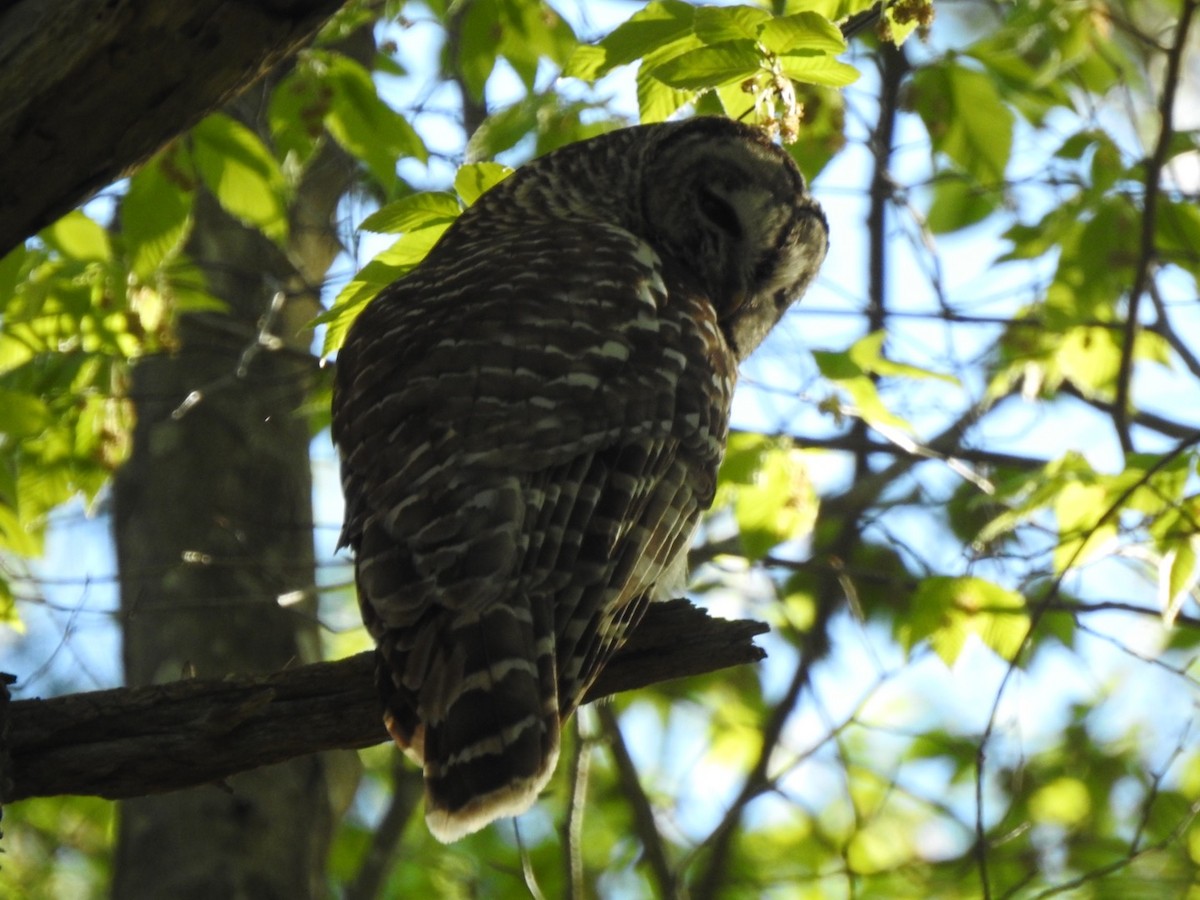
529,434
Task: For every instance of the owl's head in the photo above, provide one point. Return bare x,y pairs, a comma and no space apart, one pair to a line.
730,210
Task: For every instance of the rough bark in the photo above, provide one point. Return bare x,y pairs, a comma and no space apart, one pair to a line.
134,741
89,88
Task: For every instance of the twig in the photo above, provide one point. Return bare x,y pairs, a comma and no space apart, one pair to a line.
654,850
377,860
1148,251
572,827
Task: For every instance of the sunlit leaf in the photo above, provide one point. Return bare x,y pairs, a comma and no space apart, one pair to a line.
802,31
1064,801
9,617
22,415
413,212
766,481
476,179
966,119
1085,528
817,68
297,110
946,610
1178,575
710,66
655,26
155,216
867,354
854,380
364,124
391,264
241,173
79,238
719,24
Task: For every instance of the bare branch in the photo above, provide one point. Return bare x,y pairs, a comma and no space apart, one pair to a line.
407,787
1148,251
129,742
643,814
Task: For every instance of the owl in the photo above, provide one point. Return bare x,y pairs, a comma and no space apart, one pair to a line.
530,424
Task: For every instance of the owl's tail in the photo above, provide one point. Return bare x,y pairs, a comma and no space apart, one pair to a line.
486,720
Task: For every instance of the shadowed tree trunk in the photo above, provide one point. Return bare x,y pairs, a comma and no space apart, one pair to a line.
213,527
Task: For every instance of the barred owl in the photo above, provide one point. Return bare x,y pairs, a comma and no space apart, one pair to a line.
530,424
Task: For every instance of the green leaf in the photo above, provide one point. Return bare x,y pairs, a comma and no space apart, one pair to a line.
8,608
710,66
476,179
1090,358
802,31
780,505
478,45
867,354
654,27
817,68
1179,574
413,212
1177,235
531,32
1064,802
22,415
79,238
719,24
366,126
958,203
946,610
657,100
744,452
505,128
1085,527
900,23
852,378
390,265
297,110
11,266
966,119
155,218
241,173
767,483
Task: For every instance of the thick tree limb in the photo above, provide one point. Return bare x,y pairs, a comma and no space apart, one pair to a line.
131,742
89,89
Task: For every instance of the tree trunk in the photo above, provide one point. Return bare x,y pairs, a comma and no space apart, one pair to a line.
213,519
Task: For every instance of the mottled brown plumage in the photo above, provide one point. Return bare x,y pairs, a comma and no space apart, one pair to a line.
530,426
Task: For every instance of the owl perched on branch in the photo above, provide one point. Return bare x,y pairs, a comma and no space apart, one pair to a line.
530,425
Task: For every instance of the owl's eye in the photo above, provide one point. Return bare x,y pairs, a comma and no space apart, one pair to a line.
718,211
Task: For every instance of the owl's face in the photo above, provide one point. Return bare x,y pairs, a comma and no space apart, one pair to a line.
727,207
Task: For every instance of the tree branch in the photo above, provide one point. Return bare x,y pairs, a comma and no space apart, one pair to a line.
129,742
1148,251
76,107
654,852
